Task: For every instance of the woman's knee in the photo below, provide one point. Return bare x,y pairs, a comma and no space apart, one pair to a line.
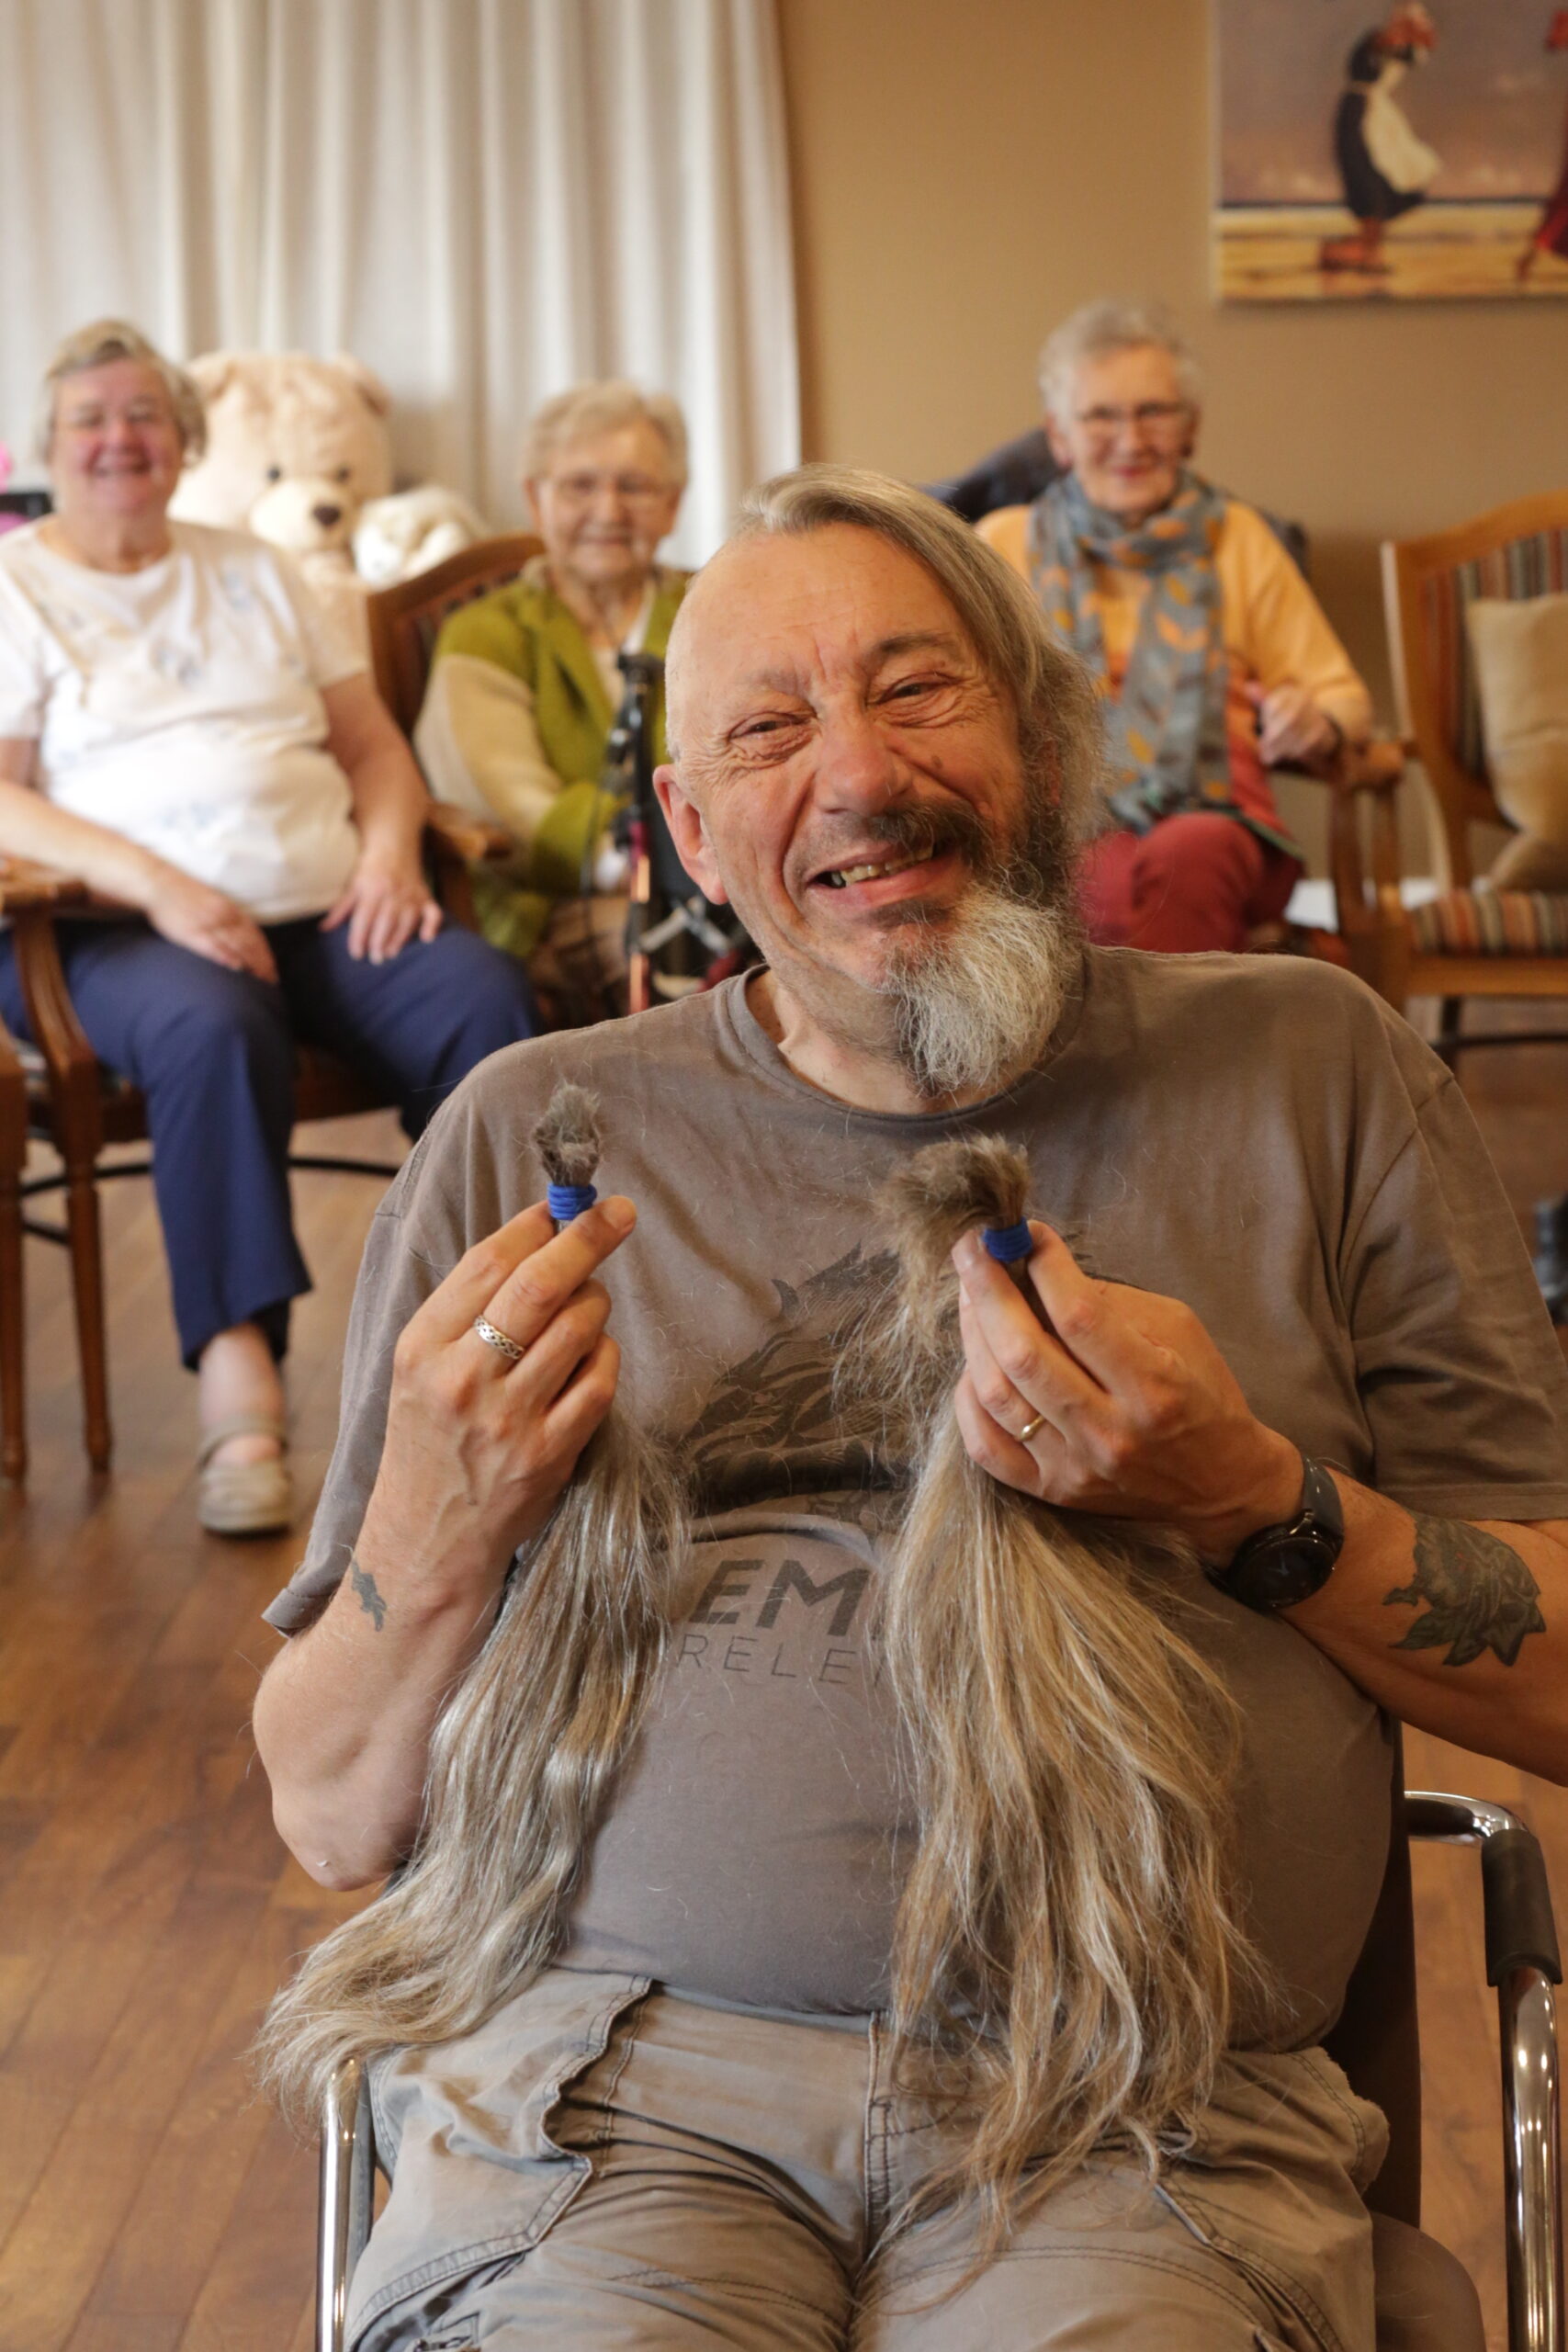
212,1024
1199,843
484,992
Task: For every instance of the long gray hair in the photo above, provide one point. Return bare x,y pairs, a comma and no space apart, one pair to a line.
520,1759
1067,1950
520,1762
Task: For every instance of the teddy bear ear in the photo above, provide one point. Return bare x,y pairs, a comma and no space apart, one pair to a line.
366,383
213,372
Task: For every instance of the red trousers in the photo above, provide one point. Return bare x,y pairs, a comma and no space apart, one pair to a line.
1196,881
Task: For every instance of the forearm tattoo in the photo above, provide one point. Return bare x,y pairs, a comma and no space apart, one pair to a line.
370,1600
1480,1594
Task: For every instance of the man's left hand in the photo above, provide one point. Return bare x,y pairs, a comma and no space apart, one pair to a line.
385,905
1292,729
1143,1416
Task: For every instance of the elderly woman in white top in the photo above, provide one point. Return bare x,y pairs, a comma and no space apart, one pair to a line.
180,726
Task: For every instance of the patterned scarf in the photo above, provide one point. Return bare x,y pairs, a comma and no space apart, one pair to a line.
1166,729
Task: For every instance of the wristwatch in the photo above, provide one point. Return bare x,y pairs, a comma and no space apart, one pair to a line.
1280,1566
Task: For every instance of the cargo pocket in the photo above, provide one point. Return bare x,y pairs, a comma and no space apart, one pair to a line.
1273,2182
476,2179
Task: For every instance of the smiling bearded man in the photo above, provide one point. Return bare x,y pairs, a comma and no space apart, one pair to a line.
692,2125
958,875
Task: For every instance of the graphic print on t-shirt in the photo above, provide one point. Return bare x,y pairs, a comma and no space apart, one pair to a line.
771,1424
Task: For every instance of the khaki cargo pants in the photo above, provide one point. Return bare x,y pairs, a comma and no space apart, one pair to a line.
605,2167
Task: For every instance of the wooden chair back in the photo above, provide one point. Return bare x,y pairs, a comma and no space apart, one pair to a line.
1516,550
405,619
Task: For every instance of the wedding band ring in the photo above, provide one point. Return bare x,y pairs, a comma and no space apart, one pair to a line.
499,1340
1027,1431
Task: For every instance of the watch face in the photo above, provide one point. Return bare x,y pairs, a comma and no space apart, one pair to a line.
1287,1571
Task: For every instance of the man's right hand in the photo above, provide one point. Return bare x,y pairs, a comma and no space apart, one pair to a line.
476,1455
478,1450
193,915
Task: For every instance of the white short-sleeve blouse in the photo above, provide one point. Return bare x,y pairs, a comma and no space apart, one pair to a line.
181,706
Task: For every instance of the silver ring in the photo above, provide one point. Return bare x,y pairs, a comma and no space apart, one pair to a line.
1027,1431
500,1340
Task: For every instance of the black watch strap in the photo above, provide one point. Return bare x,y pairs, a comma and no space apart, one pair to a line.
1280,1566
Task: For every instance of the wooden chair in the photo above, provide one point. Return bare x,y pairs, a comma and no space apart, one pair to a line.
1465,943
1425,2301
404,622
406,619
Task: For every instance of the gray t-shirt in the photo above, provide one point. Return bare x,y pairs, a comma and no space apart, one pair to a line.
1261,1138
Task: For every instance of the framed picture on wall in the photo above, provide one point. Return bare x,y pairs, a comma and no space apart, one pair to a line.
1390,150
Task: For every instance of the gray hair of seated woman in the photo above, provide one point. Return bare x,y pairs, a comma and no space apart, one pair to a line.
604,407
99,345
1100,330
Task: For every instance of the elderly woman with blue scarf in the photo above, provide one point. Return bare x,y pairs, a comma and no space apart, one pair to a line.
1216,659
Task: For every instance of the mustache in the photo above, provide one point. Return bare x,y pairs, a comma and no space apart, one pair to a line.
917,830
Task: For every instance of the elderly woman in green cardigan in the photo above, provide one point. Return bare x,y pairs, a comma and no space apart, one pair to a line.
524,686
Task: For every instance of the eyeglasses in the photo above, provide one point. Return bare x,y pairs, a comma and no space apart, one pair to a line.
631,490
1161,420
96,418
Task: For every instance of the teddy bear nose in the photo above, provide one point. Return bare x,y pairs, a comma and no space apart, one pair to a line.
326,515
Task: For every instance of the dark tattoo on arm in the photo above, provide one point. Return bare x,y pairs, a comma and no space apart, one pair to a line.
370,1600
1481,1595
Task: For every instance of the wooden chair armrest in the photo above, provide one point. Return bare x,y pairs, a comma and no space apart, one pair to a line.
10,1075
23,884
1377,766
453,833
57,1033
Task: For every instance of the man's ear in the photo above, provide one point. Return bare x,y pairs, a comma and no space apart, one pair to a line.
1194,419
690,835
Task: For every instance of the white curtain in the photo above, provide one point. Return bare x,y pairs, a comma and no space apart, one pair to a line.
486,200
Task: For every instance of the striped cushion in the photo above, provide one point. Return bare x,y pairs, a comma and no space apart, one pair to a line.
1531,567
1492,923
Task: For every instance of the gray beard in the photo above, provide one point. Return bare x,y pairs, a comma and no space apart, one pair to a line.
975,1004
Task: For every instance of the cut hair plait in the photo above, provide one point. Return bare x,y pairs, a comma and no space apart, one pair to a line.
570,1142
520,1759
1068,1948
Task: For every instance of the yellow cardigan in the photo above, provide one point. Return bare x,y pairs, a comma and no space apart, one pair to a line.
1275,630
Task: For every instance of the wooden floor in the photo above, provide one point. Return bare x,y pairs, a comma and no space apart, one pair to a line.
148,2202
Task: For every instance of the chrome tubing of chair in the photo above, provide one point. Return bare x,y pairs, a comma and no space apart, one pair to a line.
347,2172
1522,1961
1526,2008
1455,1821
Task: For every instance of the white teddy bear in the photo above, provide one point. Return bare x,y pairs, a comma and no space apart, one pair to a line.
297,451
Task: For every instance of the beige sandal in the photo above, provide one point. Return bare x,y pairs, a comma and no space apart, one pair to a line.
244,1497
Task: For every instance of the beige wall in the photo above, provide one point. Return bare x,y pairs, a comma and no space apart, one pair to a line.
967,171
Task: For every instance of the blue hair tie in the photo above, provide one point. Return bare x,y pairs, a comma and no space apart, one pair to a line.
1008,1243
567,1201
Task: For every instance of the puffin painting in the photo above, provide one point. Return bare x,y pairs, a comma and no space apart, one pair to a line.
1385,168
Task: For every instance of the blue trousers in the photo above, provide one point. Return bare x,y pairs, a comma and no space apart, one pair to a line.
213,1053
